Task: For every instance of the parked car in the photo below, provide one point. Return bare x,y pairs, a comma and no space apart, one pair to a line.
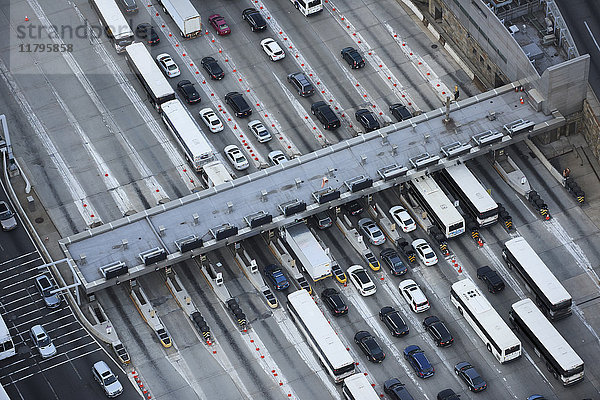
469,374
324,221
491,278
238,103
393,260
42,341
369,346
212,68
424,252
414,296
45,286
400,112
394,321
403,219
259,131
146,31
128,6
448,394
354,207
188,91
367,119
7,217
371,231
371,261
236,157
301,83
396,390
361,280
438,331
277,277
334,301
107,380
418,361
212,121
220,25
255,19
325,115
166,63
272,48
353,57
277,157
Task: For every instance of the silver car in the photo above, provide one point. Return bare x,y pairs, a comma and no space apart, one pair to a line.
105,377
7,217
372,231
45,286
42,341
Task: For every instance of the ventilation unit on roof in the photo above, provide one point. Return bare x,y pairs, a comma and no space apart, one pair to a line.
487,137
258,219
326,195
456,149
152,256
392,171
358,183
423,160
518,126
224,231
113,270
189,243
292,207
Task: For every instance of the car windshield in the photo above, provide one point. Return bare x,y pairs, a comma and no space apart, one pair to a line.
44,341
215,122
408,221
477,380
5,215
172,67
240,159
429,255
377,233
110,380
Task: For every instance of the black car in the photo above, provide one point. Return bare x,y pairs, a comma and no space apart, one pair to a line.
146,31
255,19
128,6
491,278
367,119
400,112
325,115
438,331
471,377
188,91
353,57
302,84
396,390
354,207
333,299
212,67
323,220
369,346
394,321
392,259
448,394
238,103
419,361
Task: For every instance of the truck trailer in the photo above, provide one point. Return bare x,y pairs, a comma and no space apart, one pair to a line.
185,16
314,259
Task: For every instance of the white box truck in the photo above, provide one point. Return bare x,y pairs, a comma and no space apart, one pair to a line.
185,16
308,250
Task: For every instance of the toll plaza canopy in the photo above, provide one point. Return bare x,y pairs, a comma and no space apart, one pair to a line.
278,195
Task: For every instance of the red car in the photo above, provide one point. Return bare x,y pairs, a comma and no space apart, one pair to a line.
218,22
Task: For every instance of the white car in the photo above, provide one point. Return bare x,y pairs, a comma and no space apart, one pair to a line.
259,131
425,252
167,64
236,157
413,295
277,157
42,341
403,219
211,120
370,229
272,48
361,280
107,380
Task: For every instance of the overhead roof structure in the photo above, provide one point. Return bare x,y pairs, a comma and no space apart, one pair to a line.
276,196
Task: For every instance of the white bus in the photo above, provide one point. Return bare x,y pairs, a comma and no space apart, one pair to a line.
320,335
308,7
485,321
552,298
214,174
357,387
7,347
197,149
152,79
549,345
472,196
437,205
113,23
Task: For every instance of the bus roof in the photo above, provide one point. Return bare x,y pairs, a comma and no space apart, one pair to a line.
320,329
360,387
188,130
471,187
217,173
481,308
537,270
139,55
552,340
4,332
437,199
114,18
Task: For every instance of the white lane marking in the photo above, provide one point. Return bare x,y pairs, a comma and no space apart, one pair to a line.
591,34
182,367
18,257
219,354
80,199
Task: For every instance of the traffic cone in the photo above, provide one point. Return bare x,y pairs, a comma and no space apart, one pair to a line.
521,100
459,269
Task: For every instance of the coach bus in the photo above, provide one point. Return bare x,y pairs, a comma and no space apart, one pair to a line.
308,7
357,387
113,23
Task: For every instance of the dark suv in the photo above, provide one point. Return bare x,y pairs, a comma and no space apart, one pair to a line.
438,331
238,103
301,83
353,57
255,19
493,281
367,119
400,112
325,115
